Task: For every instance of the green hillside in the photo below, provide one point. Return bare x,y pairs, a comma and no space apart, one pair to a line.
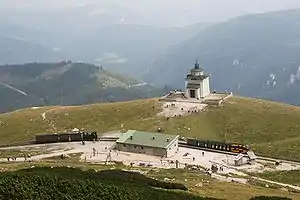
61,182
64,183
272,129
66,83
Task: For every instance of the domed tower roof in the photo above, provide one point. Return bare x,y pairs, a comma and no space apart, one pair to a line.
197,67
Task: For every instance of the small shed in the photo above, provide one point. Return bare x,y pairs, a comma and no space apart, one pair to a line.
156,144
242,159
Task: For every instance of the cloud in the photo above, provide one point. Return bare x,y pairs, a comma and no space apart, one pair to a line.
294,77
167,12
111,58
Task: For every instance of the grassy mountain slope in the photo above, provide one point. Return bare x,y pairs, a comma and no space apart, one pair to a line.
65,83
64,183
210,188
272,129
255,55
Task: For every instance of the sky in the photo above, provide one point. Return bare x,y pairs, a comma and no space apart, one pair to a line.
168,12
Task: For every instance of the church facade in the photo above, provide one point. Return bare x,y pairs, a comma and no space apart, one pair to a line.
197,83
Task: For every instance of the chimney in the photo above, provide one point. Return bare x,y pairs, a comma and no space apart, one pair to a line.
168,139
153,137
131,137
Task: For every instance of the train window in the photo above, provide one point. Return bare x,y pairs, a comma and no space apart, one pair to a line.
198,144
213,146
205,145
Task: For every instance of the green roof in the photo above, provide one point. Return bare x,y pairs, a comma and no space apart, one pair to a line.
143,138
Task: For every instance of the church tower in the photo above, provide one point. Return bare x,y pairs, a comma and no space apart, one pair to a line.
196,83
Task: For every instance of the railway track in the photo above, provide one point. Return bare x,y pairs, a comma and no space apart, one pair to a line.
183,144
259,157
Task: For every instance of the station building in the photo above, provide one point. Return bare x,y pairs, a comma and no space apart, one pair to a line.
155,144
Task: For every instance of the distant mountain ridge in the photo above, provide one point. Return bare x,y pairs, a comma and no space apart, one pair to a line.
66,83
121,47
255,55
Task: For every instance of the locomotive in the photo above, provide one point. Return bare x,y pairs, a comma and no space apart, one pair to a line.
221,146
66,137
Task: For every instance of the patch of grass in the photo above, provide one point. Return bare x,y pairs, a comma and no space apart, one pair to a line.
214,188
272,129
19,153
70,158
72,183
289,177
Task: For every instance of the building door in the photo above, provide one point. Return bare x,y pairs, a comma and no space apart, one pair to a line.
192,94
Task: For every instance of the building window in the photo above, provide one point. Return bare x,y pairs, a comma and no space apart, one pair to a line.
124,145
170,148
142,147
134,146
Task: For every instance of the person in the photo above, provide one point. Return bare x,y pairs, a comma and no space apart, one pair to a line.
193,158
202,153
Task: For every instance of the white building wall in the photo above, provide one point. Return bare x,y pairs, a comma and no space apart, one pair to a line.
201,89
197,91
206,87
172,149
145,150
195,81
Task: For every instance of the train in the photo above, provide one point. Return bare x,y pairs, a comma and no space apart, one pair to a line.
66,137
221,146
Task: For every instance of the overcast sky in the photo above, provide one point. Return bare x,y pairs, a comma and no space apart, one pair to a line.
174,12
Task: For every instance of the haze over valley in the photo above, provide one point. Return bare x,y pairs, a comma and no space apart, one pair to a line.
249,48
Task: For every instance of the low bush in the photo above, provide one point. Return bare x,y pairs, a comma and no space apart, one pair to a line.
71,183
